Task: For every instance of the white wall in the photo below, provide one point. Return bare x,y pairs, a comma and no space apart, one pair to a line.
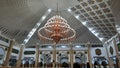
3,42
111,44
103,52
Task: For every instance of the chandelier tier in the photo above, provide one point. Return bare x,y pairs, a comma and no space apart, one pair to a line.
56,29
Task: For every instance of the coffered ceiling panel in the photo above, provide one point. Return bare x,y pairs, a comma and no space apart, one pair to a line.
98,14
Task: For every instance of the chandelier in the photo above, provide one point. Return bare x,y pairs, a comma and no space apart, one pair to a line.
56,29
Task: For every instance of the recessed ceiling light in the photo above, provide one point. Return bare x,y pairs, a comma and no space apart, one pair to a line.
96,34
49,47
43,18
63,46
90,29
26,40
77,46
93,31
84,23
69,10
77,16
49,10
101,39
38,24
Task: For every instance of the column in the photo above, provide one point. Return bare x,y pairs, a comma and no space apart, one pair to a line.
71,56
117,54
21,53
89,55
59,61
54,55
109,62
37,56
9,51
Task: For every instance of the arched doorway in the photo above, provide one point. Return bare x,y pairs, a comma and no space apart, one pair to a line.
2,55
28,62
45,60
80,60
99,61
63,60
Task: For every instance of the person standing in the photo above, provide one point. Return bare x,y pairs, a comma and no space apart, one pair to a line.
88,65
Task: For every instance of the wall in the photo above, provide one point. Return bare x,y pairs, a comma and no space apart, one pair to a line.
93,53
111,44
4,40
103,52
50,50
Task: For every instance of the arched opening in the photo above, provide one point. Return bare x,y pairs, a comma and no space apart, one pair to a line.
2,55
80,60
63,60
99,62
45,60
28,62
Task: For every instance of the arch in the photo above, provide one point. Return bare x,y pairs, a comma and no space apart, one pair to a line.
80,57
2,55
46,58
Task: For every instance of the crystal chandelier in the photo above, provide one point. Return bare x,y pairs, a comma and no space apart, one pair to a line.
56,29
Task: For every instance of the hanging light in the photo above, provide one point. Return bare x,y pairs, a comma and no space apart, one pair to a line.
56,29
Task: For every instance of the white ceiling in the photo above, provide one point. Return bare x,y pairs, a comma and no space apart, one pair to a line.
61,4
18,17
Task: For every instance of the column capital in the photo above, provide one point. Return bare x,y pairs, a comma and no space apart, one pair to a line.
88,44
53,46
13,40
22,44
71,45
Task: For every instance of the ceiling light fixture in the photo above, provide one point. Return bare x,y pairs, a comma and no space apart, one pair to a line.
96,34
56,29
49,47
101,39
69,10
93,31
63,46
84,23
77,46
90,29
49,10
77,16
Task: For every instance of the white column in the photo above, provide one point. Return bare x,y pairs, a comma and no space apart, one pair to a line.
71,56
89,55
109,62
54,56
9,51
37,56
117,54
21,53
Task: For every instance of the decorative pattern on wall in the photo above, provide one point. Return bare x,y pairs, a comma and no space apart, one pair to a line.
111,50
98,51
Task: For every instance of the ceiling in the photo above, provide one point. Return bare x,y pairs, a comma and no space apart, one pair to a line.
18,17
